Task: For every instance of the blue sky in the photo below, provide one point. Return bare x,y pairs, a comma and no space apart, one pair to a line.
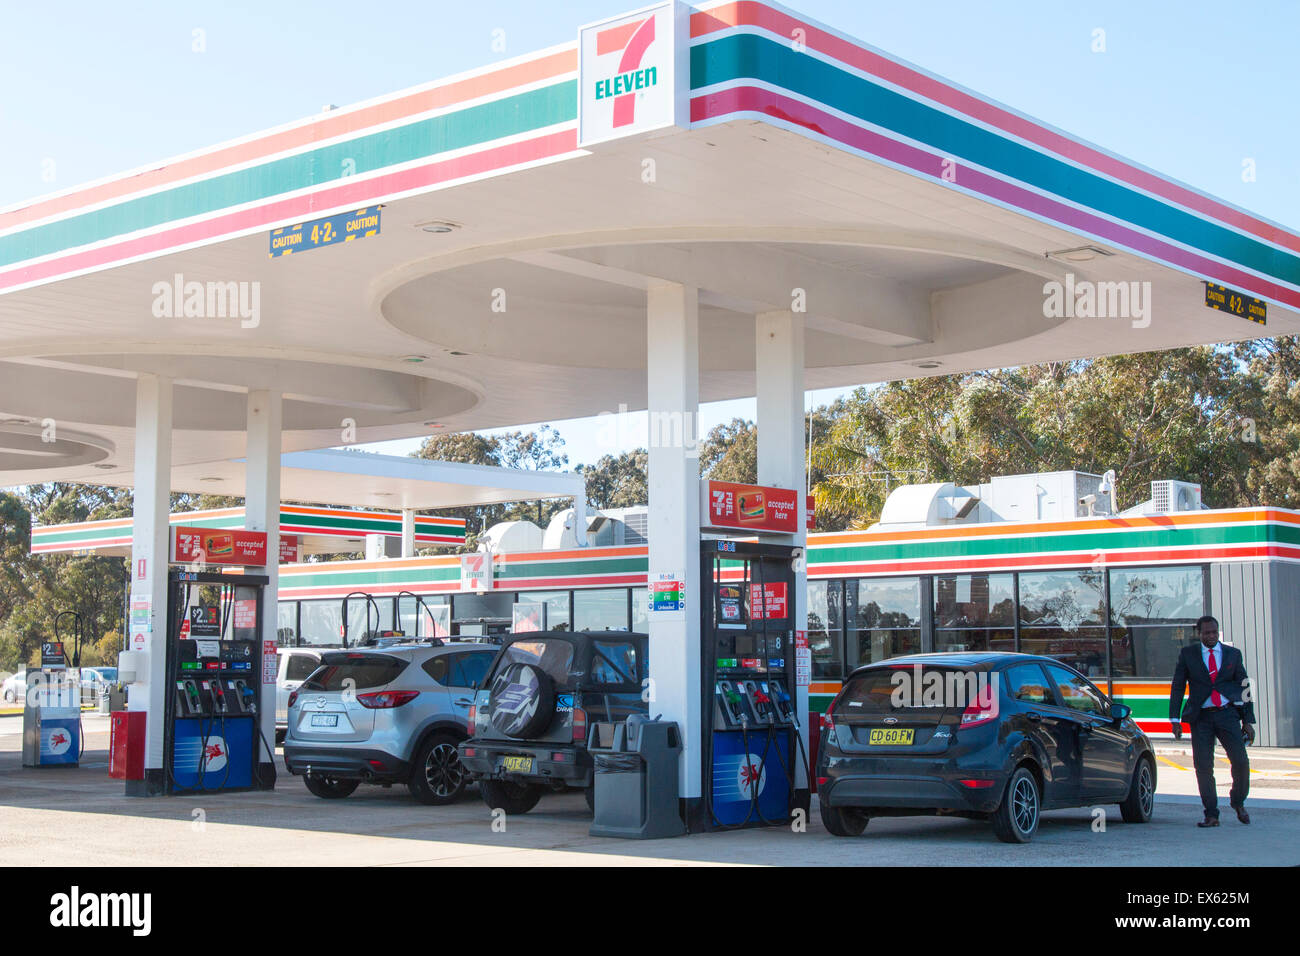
1191,88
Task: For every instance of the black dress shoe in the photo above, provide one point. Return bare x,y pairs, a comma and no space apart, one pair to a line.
1209,821
1242,815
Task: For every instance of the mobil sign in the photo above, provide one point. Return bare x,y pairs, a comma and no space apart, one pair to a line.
633,73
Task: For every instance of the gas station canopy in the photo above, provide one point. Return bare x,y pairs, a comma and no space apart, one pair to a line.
475,252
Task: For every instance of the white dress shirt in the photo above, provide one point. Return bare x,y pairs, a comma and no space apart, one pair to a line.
1217,651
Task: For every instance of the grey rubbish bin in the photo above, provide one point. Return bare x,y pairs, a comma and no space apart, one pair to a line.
636,779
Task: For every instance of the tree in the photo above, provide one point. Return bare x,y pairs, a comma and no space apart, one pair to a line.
540,450
620,481
1154,415
730,452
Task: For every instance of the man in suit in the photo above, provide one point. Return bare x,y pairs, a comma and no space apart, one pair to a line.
1219,706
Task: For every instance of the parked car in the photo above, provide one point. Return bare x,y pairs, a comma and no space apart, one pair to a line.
1041,737
385,716
15,687
293,666
531,713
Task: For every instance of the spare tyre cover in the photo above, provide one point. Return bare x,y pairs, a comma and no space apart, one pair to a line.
522,701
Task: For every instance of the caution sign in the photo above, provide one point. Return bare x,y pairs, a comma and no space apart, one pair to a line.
1238,303
344,227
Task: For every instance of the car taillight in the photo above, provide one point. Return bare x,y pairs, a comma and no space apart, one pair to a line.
579,725
473,716
977,784
827,722
386,699
983,710
293,695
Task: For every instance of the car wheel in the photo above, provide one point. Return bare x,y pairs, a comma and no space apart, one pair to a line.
844,821
508,796
437,775
590,795
10,697
1141,800
329,788
1016,821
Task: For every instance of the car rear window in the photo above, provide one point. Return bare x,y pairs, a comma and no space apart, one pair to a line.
365,670
553,655
300,666
888,690
614,662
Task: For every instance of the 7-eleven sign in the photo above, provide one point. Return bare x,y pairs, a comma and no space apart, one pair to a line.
476,571
633,73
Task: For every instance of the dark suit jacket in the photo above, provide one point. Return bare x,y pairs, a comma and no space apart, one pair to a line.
1192,675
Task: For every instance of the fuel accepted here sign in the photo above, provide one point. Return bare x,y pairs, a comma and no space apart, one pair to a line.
750,507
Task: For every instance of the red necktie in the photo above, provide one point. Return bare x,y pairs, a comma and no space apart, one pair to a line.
1215,699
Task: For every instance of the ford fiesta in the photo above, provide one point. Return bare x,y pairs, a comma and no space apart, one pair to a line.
994,736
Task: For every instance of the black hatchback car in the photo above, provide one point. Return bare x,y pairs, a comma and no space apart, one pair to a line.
528,725
996,736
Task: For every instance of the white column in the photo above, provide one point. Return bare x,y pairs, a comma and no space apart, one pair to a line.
779,360
262,513
149,556
408,532
673,389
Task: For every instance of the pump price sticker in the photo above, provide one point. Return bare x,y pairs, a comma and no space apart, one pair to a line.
270,662
668,593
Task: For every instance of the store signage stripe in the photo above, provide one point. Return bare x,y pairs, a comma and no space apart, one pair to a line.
443,96
1018,529
489,161
512,116
781,24
765,104
1060,560
1117,541
573,569
737,58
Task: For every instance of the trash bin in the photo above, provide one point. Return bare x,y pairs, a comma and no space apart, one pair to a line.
636,779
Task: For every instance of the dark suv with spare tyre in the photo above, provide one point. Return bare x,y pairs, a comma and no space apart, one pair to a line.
993,736
528,725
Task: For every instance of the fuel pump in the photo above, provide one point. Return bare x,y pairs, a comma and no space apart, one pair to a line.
212,738
755,771
52,731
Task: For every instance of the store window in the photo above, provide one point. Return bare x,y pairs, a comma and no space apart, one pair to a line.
883,617
1063,615
974,612
322,622
641,610
1154,612
432,625
367,620
826,628
492,607
556,604
601,609
973,600
286,623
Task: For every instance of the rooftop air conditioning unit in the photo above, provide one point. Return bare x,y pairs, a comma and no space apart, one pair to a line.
1169,496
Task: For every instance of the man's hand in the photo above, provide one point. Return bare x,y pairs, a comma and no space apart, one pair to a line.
1178,729
1248,732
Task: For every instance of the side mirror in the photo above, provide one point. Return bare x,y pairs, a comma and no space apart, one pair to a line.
1120,712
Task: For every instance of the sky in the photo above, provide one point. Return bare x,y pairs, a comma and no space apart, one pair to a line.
1199,91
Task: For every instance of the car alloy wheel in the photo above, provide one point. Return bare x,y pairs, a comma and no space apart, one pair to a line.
1024,805
1146,793
443,770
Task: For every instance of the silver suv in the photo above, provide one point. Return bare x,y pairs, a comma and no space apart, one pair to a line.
386,716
